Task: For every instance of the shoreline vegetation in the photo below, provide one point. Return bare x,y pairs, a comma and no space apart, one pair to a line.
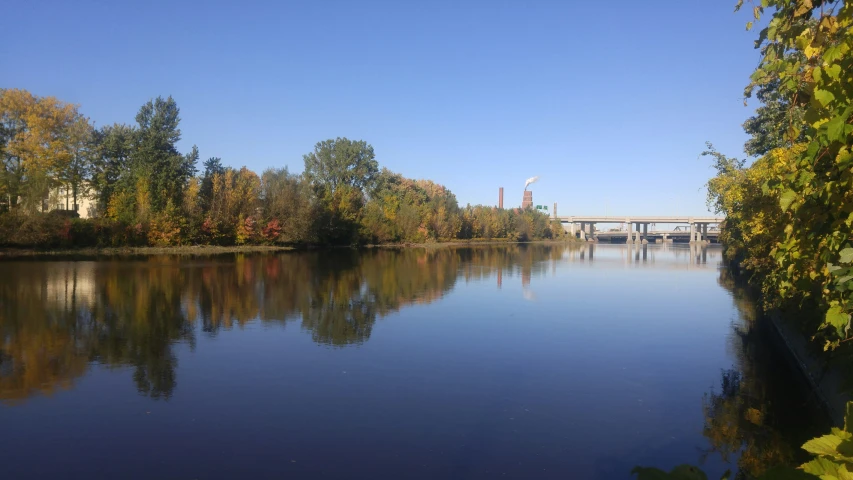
16,253
134,188
789,204
788,231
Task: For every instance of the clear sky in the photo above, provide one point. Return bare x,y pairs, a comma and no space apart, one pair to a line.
609,102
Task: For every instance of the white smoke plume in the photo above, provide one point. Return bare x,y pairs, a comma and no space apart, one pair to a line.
530,180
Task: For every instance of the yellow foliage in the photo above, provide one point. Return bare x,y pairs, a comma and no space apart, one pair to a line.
753,217
121,206
191,202
43,127
235,197
143,199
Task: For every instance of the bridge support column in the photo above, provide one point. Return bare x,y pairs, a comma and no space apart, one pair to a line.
705,233
591,231
630,235
692,232
645,233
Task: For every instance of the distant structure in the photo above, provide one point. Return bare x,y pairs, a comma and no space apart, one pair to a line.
501,197
527,201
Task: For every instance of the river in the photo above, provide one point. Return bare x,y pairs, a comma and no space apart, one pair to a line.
526,362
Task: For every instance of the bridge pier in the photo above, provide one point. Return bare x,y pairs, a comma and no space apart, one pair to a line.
645,234
630,235
692,238
705,233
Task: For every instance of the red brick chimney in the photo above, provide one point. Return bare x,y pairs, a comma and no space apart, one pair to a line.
528,199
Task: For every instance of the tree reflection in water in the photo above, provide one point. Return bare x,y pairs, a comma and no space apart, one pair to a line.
741,422
57,318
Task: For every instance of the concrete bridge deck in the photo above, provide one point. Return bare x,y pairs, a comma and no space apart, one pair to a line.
630,219
638,228
656,236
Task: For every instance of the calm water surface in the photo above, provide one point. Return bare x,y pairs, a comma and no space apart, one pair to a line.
492,362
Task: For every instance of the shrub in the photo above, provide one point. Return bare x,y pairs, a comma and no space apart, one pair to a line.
164,230
42,231
83,233
63,214
10,223
246,231
271,231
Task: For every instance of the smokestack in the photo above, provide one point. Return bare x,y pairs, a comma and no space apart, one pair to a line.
527,200
501,197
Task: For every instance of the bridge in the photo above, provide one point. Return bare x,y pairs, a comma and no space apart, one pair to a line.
692,229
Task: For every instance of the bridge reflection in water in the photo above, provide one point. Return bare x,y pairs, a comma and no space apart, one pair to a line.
666,256
697,255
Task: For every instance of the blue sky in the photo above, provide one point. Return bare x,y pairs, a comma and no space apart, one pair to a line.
609,102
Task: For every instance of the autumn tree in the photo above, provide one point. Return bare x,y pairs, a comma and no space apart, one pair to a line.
212,167
341,171
41,139
151,187
110,162
287,201
77,173
788,215
155,156
773,119
235,198
341,163
441,213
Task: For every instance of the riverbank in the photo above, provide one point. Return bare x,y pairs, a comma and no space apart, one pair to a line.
477,243
9,253
827,378
185,250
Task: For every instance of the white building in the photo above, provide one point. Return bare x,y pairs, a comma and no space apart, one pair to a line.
62,198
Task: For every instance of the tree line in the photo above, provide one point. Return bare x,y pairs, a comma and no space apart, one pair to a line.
789,211
142,190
